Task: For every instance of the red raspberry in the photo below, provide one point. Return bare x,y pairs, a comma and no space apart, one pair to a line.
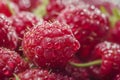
110,60
110,66
103,48
27,5
50,44
110,53
89,26
5,7
107,4
10,63
8,36
115,33
56,6
53,8
36,74
94,72
117,77
22,21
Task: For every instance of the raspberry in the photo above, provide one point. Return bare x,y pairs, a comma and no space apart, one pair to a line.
8,36
10,63
107,4
77,73
110,60
103,48
117,77
50,44
5,7
88,25
36,74
115,31
56,6
110,53
27,5
53,8
94,72
22,21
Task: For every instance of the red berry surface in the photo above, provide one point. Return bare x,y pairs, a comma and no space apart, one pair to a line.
53,9
110,53
10,63
107,4
88,25
50,44
36,74
8,37
103,48
117,77
23,21
115,33
77,73
111,61
27,5
94,72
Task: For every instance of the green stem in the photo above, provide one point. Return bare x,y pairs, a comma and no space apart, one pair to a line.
103,10
9,6
96,62
16,77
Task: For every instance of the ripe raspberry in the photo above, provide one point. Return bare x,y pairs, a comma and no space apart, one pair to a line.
27,5
36,74
103,48
115,33
56,6
5,7
107,4
50,44
110,60
23,20
53,8
94,72
8,36
117,77
89,26
10,63
110,53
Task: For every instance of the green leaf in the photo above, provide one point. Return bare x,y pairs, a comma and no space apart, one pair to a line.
40,11
116,13
115,16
